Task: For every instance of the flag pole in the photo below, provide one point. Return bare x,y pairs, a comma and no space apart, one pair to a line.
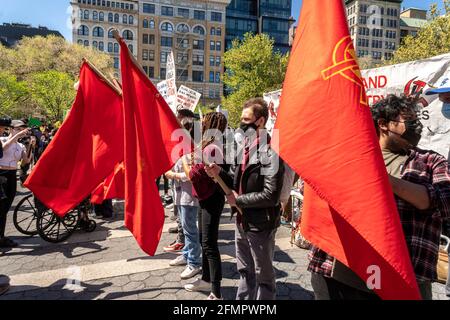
104,78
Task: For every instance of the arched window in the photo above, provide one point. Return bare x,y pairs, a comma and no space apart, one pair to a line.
110,47
116,47
127,35
94,15
213,31
86,14
184,28
110,17
116,18
86,43
199,30
83,30
125,19
130,46
167,26
98,32
101,46
110,34
95,44
152,24
80,42
145,23
218,31
130,20
101,16
80,14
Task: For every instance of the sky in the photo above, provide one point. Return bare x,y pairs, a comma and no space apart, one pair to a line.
55,14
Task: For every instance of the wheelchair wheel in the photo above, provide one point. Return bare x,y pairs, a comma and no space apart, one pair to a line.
55,229
25,216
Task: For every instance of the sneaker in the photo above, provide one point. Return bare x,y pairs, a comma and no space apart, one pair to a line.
198,285
174,247
179,261
189,272
7,243
173,230
212,296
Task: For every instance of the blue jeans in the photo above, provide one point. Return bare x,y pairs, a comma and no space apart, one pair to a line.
447,288
192,249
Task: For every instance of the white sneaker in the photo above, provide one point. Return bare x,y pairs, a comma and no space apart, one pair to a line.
212,296
189,272
179,261
198,285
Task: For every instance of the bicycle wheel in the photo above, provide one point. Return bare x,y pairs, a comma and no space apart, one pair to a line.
25,216
55,229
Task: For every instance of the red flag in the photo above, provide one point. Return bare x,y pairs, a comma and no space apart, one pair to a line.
149,124
112,188
326,134
86,148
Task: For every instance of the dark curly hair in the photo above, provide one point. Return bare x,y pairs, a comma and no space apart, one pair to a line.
391,107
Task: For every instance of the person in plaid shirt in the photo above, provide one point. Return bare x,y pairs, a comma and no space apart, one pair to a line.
420,180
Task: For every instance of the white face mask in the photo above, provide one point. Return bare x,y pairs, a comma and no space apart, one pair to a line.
446,110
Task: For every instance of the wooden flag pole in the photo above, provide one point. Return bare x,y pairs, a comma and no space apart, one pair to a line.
104,78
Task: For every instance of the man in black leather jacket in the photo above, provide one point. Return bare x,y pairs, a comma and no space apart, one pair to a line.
256,182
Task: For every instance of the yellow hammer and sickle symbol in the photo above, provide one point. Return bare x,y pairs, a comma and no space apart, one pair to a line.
345,65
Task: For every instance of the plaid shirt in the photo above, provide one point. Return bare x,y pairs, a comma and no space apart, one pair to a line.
422,228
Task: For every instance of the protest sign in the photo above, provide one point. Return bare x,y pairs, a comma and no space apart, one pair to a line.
187,98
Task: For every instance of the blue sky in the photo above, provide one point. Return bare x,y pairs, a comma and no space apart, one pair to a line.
53,13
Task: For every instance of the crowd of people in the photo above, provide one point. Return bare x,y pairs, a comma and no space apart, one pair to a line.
258,193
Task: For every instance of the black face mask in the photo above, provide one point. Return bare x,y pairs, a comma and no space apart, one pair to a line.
247,126
413,132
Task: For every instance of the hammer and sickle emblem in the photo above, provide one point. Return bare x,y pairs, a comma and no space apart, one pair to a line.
345,65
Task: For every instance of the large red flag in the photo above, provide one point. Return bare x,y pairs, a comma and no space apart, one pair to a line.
86,148
149,124
113,187
326,134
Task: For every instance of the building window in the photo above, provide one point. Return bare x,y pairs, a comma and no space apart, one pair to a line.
152,24
110,47
130,20
218,31
83,30
197,76
86,43
217,77
145,23
182,58
130,46
116,18
217,61
212,61
151,39
212,45
163,57
101,16
183,13
167,26
216,16
211,76
80,42
116,48
162,73
199,15
101,46
116,63
167,11
110,34
199,44
145,55
183,28
199,30
198,60
127,35
110,17
98,32
86,14
151,55
182,75
182,43
218,46
148,8
125,19
166,41
213,31
145,38
95,45
151,72
95,15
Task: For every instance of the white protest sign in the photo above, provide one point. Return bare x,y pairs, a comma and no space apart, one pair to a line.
187,98
273,102
416,77
170,71
168,89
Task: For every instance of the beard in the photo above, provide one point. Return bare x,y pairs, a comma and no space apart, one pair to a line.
398,145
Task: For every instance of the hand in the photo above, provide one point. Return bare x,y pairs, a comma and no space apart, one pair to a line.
169,175
21,134
213,170
33,141
232,198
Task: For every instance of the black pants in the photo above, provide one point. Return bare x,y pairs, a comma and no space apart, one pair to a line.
166,183
209,220
105,209
10,188
330,289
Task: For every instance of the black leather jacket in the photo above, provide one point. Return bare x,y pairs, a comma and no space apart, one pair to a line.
261,189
